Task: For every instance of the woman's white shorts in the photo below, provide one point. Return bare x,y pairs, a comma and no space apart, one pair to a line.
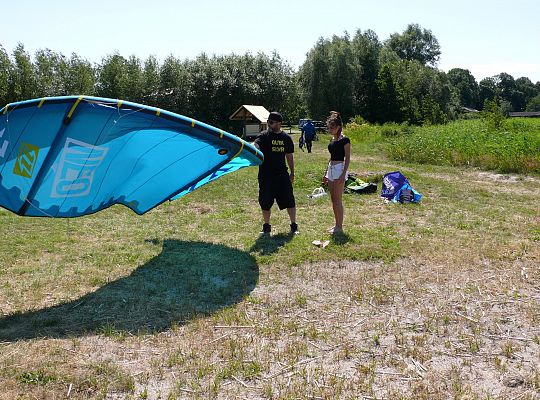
334,171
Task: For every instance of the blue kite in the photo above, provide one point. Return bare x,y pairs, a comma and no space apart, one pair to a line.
76,155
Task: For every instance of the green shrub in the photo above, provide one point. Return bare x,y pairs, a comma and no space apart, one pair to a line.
470,115
462,142
493,115
358,120
406,128
390,129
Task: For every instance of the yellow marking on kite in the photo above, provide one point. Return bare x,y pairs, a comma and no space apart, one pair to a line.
158,111
75,106
41,102
5,109
241,148
192,123
119,104
220,134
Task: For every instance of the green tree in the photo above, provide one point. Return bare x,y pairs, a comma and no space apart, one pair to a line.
150,85
203,74
342,69
113,77
315,79
528,89
415,44
134,77
487,90
507,90
80,77
329,75
50,71
174,86
423,92
388,97
294,106
534,104
273,76
5,73
366,49
215,81
465,87
23,79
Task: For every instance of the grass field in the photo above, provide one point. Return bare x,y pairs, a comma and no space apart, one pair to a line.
439,300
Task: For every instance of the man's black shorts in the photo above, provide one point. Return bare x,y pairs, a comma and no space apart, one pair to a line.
277,188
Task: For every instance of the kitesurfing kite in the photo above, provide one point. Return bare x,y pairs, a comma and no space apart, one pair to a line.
76,155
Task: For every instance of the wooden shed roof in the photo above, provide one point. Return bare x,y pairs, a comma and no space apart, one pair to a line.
247,111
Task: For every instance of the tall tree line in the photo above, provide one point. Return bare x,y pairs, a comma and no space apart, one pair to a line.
206,88
395,80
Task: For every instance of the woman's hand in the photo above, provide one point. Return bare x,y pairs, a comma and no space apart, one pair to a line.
325,180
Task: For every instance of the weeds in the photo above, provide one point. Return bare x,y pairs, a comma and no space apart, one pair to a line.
36,378
504,145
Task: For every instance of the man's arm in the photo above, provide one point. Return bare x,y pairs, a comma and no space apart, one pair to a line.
290,162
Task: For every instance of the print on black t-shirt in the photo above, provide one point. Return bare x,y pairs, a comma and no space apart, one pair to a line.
274,146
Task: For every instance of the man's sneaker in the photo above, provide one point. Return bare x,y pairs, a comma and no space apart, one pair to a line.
266,229
294,228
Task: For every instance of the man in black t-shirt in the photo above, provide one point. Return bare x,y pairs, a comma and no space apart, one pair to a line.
275,181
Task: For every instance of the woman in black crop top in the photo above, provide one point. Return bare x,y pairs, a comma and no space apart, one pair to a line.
336,172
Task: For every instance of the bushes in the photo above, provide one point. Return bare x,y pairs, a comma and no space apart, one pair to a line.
391,129
493,143
476,143
493,115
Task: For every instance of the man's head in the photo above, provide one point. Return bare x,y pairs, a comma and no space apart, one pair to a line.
275,120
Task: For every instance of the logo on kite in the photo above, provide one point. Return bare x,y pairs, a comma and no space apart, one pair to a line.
222,152
78,164
4,146
26,160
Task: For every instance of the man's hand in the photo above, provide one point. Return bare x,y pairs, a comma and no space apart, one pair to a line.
291,176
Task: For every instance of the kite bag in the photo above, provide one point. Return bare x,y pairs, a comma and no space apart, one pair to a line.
396,187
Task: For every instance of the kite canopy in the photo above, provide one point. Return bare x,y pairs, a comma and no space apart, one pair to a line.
72,156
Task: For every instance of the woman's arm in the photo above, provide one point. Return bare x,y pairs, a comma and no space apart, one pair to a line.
347,149
324,178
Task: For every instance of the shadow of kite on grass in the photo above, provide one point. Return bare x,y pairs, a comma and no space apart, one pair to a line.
186,280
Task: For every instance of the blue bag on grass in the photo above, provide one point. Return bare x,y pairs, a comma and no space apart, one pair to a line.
406,194
396,187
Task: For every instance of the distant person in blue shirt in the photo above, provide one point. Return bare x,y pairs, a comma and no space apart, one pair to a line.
308,133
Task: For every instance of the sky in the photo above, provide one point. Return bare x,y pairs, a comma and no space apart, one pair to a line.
486,37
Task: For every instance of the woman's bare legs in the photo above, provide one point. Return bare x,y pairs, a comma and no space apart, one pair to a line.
336,195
